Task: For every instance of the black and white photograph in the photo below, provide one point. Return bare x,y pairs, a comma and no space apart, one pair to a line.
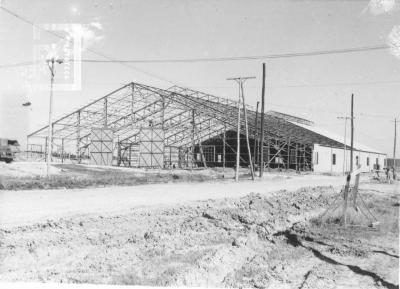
199,143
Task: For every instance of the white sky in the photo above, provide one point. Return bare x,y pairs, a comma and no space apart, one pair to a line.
316,87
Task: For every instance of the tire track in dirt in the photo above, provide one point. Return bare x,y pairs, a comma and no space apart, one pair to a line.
305,279
274,214
234,242
294,240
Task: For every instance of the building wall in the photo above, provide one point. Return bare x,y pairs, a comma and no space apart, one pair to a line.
323,159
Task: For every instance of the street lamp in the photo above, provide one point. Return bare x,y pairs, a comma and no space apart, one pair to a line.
50,64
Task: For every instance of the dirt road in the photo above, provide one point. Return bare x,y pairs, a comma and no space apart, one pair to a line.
31,206
270,240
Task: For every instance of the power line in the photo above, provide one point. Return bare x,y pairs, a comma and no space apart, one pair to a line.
336,84
28,63
126,63
254,57
222,59
19,64
109,59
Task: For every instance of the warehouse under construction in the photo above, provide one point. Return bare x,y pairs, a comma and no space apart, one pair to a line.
143,126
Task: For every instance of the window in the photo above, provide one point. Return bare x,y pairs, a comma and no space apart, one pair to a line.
219,158
316,158
377,166
368,161
333,159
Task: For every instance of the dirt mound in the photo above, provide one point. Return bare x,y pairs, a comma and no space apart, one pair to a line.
196,245
253,241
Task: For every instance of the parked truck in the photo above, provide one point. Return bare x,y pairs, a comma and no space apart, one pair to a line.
8,149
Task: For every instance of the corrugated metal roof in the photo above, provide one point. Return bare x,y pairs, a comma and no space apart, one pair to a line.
333,136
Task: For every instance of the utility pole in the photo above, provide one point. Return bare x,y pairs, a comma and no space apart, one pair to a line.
240,81
395,141
352,132
50,64
223,151
193,141
247,133
344,143
262,124
394,148
348,179
238,143
255,136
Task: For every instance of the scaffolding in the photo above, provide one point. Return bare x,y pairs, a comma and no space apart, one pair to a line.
179,120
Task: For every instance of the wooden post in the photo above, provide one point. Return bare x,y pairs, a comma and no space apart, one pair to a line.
203,159
240,81
297,157
193,144
180,158
78,137
395,141
62,150
355,188
346,188
352,132
344,144
268,153
223,150
170,157
255,135
346,195
105,112
119,154
394,148
288,155
247,133
201,151
130,155
262,123
45,148
187,155
238,142
258,153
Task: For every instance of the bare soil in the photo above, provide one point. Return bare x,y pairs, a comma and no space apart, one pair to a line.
275,241
32,175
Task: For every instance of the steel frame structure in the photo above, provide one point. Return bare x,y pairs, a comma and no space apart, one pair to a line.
134,106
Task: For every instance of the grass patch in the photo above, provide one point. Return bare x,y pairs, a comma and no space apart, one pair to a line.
98,179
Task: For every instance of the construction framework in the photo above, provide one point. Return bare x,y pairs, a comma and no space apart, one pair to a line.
185,120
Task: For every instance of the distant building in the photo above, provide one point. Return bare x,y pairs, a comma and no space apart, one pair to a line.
332,157
390,162
142,126
325,154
